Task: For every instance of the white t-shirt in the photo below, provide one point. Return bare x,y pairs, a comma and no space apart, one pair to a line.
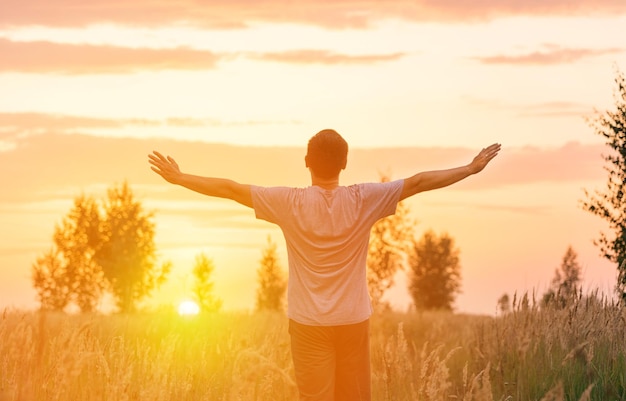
327,235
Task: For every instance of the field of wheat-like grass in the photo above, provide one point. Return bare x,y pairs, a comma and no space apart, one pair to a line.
573,353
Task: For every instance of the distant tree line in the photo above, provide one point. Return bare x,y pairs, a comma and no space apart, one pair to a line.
107,247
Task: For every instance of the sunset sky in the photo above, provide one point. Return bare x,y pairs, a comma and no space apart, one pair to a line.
236,88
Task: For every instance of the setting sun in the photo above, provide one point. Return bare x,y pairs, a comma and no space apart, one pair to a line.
188,308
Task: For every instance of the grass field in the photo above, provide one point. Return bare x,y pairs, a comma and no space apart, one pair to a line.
574,353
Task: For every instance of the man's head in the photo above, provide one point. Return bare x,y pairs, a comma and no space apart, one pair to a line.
327,154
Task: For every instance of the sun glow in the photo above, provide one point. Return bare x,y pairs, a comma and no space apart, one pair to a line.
188,308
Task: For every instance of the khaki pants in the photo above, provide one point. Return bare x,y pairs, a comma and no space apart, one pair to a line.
332,363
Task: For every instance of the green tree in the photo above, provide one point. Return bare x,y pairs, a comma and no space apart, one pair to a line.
270,293
388,245
127,252
610,204
435,272
51,281
203,286
566,281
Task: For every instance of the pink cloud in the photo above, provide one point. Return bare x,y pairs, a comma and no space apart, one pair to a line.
556,109
14,125
570,162
60,122
59,58
551,56
328,13
325,57
48,57
541,109
186,122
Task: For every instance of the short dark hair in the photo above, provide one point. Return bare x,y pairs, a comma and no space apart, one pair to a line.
327,153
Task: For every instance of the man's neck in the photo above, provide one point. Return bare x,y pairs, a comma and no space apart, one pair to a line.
325,183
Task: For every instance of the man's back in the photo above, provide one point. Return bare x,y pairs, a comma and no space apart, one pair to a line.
327,233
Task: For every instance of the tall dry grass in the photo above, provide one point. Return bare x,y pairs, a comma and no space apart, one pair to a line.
571,353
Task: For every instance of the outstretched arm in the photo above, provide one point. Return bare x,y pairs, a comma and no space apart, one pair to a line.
429,180
167,168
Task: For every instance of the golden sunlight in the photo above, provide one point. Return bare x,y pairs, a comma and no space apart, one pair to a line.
188,308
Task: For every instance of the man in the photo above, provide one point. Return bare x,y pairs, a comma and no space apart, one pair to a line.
326,228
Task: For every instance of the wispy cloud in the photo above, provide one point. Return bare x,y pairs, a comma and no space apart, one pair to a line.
541,109
49,57
186,122
548,56
324,57
327,13
22,121
73,59
555,109
535,210
14,125
60,122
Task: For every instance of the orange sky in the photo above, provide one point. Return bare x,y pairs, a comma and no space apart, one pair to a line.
512,223
89,89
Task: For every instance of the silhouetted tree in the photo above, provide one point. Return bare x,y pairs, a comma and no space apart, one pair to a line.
564,286
127,253
97,248
77,239
610,203
435,277
203,286
272,284
69,272
51,281
389,241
